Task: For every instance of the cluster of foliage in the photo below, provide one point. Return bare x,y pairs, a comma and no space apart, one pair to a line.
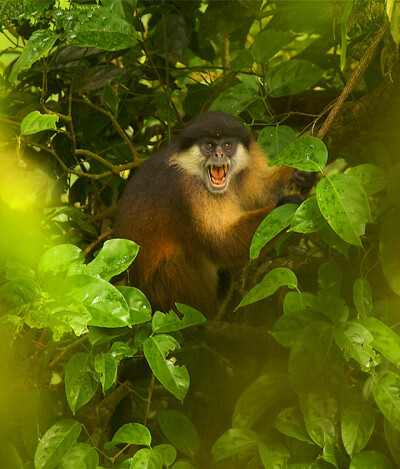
91,376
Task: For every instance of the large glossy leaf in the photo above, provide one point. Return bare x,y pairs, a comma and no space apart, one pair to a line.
132,433
292,77
290,422
56,443
167,452
170,322
357,422
274,455
146,459
385,340
288,327
139,306
174,378
271,226
355,341
80,456
370,176
308,217
104,302
234,441
81,380
344,204
306,153
370,460
99,27
115,256
297,301
59,258
274,139
263,394
267,43
392,435
38,45
235,99
386,392
35,122
274,279
390,252
179,431
320,410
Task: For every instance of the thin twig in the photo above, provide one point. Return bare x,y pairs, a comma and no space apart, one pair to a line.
97,241
358,72
66,349
149,396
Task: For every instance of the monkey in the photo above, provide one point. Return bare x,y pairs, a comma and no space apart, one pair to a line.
193,208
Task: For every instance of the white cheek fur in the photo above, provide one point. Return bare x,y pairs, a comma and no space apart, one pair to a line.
190,160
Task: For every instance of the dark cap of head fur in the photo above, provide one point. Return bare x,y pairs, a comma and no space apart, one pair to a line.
216,125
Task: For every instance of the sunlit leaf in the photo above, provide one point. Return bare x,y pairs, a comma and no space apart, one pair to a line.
308,217
235,99
146,459
35,122
386,392
385,340
169,322
234,441
139,305
274,279
370,460
292,77
357,421
59,258
38,45
79,456
81,380
174,378
167,452
56,443
274,139
132,433
271,226
306,153
344,204
267,43
179,431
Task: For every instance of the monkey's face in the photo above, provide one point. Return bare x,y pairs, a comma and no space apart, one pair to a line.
214,161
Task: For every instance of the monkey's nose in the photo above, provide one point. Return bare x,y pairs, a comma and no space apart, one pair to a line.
219,152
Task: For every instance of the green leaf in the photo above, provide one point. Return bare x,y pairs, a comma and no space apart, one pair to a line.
110,98
242,61
308,217
99,27
343,31
392,436
38,45
182,465
308,356
320,410
138,304
296,301
274,139
290,422
81,380
362,296
17,293
344,204
357,422
306,153
288,327
115,256
273,455
104,302
269,284
174,378
330,277
179,431
273,280
355,341
370,460
260,396
80,456
56,443
389,248
292,77
333,240
395,24
132,433
385,340
235,99
35,122
59,259
271,226
234,441
146,459
267,43
169,322
370,176
386,392
106,365
167,452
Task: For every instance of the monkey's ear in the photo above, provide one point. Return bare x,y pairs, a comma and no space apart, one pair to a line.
291,199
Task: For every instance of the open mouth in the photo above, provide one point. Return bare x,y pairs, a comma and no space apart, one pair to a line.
217,175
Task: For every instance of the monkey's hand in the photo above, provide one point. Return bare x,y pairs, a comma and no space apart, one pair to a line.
304,180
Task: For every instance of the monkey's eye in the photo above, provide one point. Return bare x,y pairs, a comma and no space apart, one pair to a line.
209,146
227,145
